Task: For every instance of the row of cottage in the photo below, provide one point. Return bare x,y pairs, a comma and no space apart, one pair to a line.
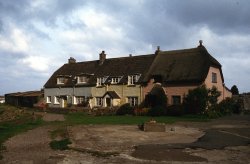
111,82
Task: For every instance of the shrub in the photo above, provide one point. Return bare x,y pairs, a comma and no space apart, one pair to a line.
125,109
141,111
229,106
200,99
157,111
60,145
175,110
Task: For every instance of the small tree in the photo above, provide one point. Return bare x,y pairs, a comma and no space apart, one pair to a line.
213,95
234,90
196,100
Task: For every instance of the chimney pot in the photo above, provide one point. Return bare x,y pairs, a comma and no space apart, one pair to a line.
102,57
200,41
158,50
71,60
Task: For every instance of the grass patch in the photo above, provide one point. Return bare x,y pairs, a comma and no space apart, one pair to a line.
60,132
60,145
11,128
81,118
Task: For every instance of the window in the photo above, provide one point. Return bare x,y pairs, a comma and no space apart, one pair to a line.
60,80
48,99
132,79
80,99
176,100
133,101
82,79
214,77
56,100
98,101
115,80
101,80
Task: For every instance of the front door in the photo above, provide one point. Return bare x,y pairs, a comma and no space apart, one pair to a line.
108,102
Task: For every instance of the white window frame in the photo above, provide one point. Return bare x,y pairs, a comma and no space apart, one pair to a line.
60,80
115,80
56,100
133,100
79,99
48,99
101,80
99,101
132,79
82,79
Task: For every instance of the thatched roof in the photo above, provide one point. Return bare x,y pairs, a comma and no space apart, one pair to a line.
183,66
178,67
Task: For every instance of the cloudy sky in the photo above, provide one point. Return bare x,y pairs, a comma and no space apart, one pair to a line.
38,36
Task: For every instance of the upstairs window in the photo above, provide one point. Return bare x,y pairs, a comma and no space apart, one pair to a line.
82,79
132,79
60,80
115,80
133,101
214,77
100,81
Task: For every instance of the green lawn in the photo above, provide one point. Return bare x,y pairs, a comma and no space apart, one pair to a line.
81,118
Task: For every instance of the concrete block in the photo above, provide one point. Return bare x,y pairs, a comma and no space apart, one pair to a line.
154,127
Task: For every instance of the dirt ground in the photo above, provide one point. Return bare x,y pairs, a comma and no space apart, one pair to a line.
224,140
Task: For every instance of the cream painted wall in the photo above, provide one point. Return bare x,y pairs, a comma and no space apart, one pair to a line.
123,91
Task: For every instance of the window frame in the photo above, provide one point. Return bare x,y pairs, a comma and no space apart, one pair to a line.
174,98
115,80
133,100
56,100
80,81
60,80
79,99
132,79
214,77
98,101
48,99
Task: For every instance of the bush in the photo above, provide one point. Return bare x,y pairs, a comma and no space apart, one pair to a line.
175,110
229,106
141,111
157,111
125,109
60,145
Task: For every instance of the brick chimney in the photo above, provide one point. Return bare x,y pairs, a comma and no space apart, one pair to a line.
71,60
158,50
102,57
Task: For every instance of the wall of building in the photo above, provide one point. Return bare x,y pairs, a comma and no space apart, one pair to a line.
68,92
123,91
181,91
219,84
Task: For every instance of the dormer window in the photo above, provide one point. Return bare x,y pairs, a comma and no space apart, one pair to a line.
132,79
101,80
60,80
82,79
115,80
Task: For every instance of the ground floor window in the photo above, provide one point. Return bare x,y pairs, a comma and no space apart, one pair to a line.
133,101
176,100
80,99
99,101
56,100
48,99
